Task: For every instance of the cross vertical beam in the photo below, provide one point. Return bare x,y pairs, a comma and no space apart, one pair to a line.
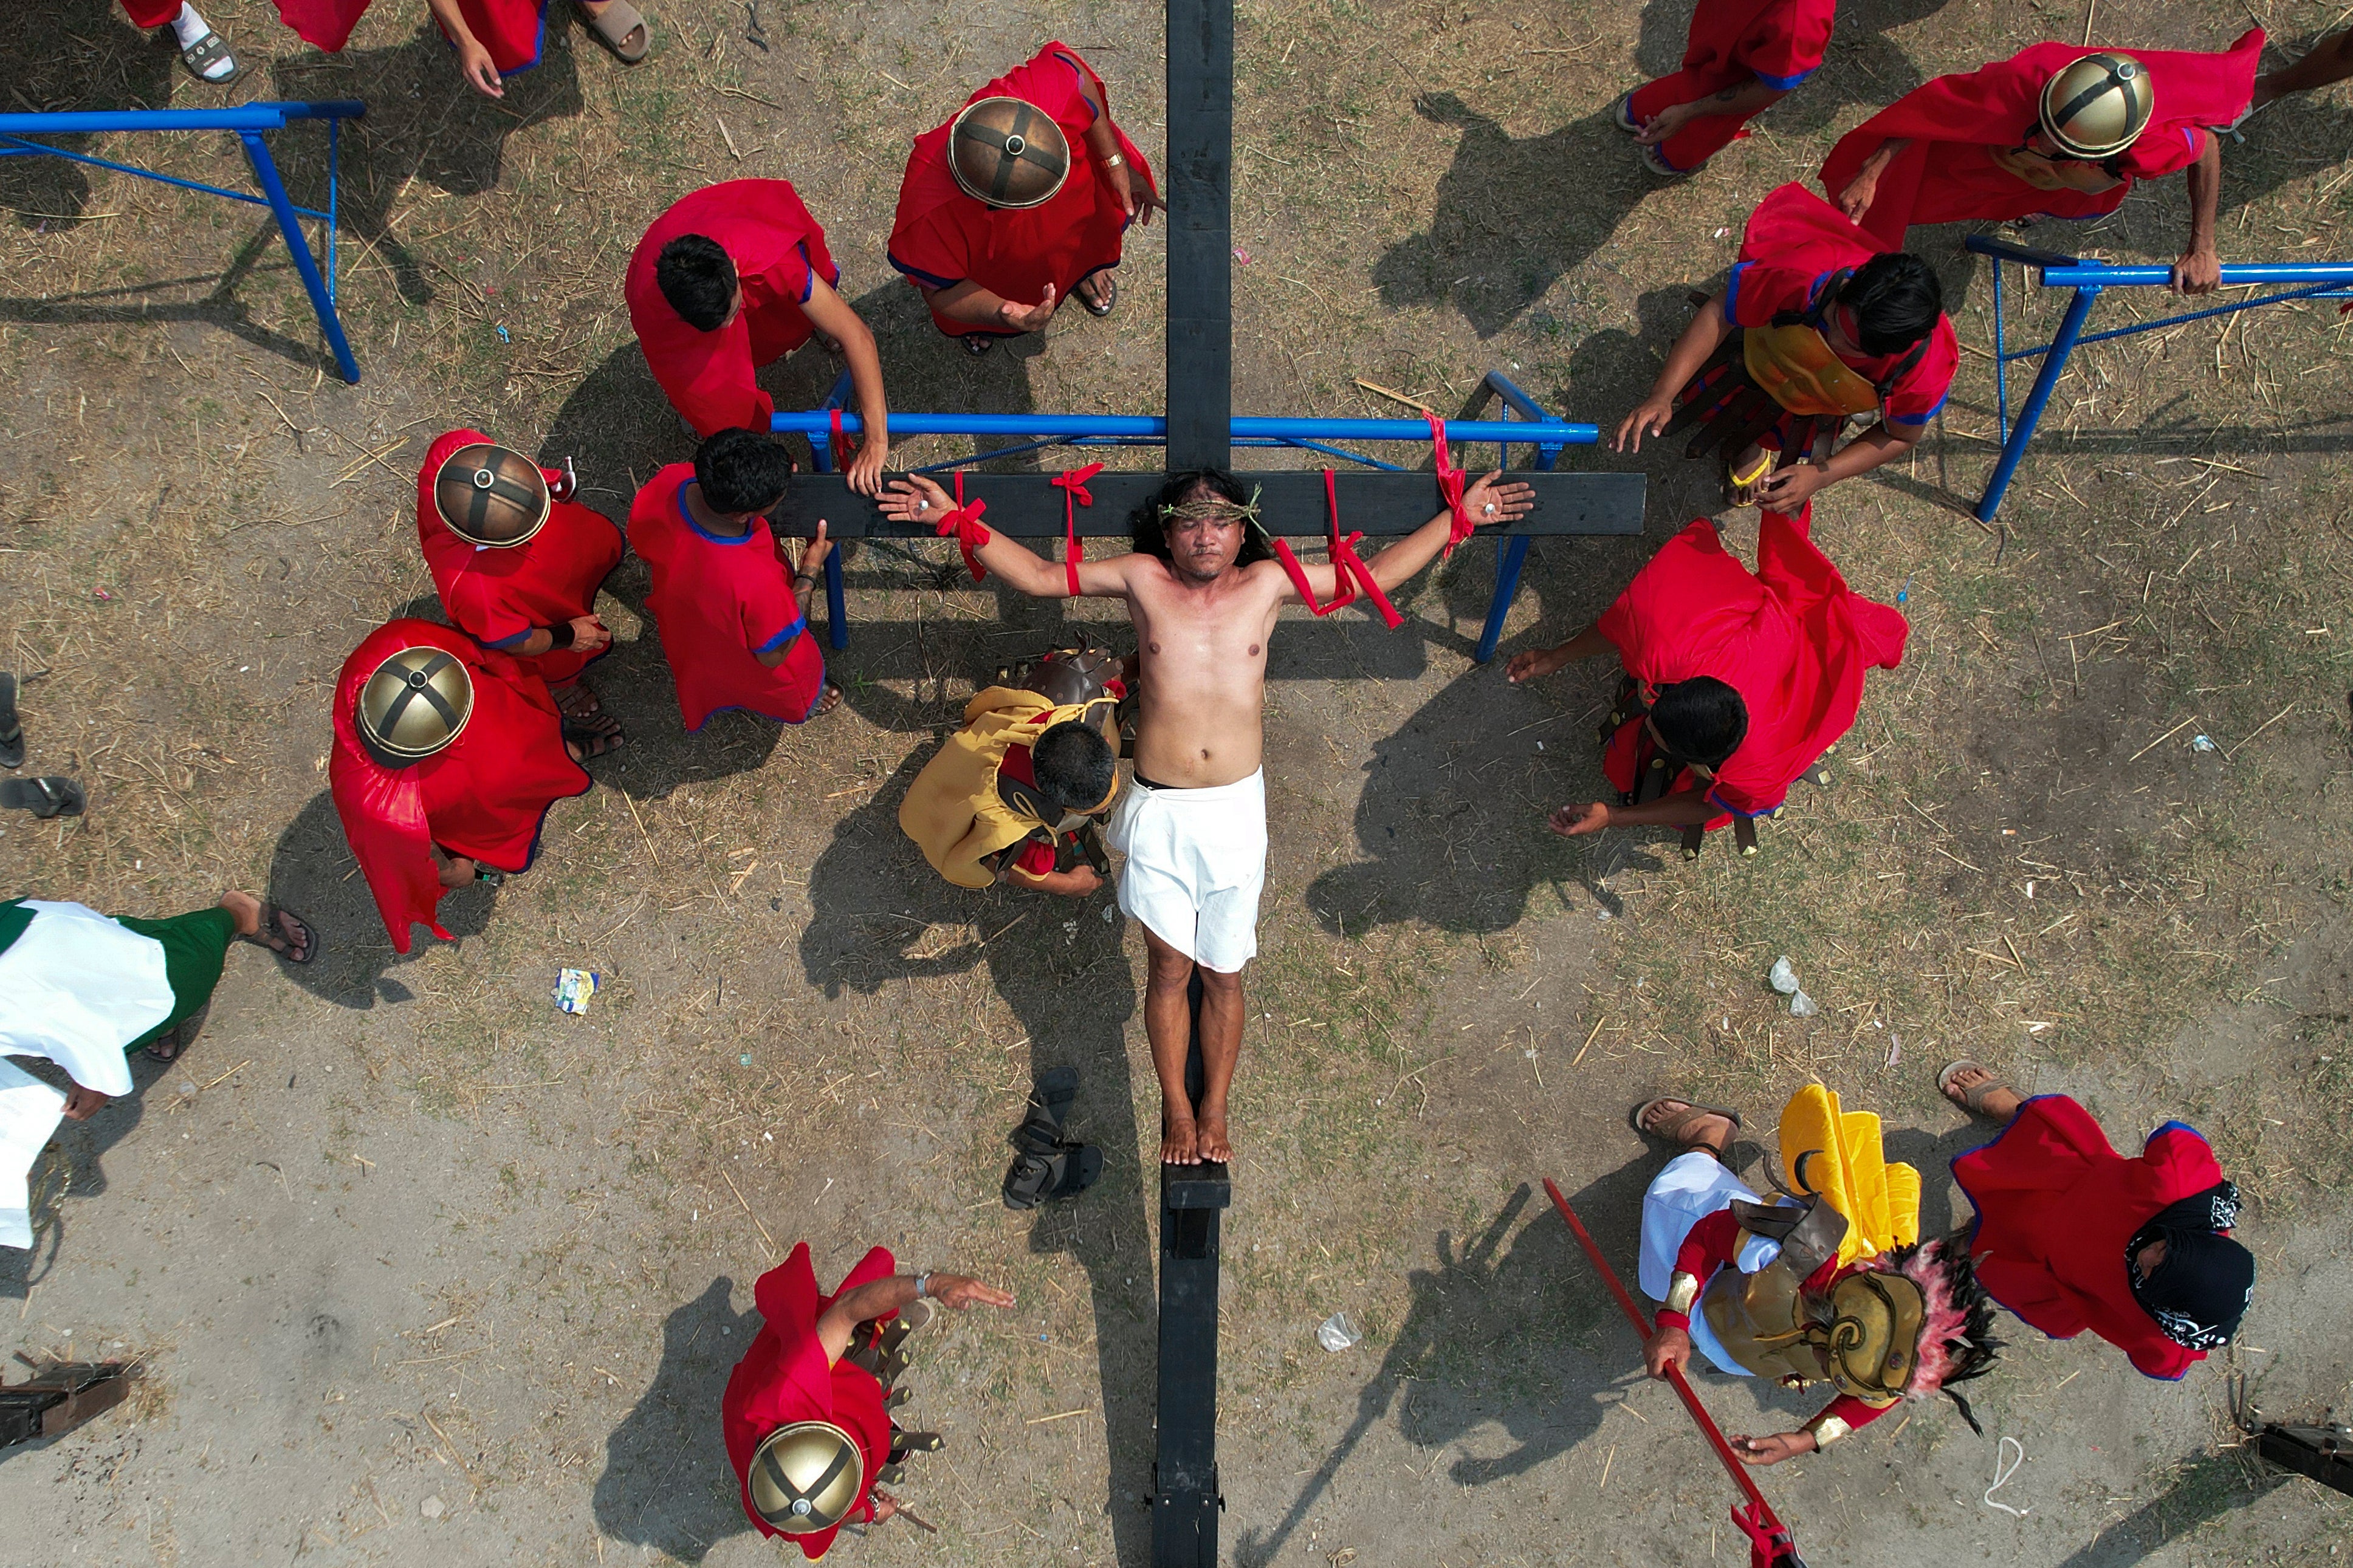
1200,168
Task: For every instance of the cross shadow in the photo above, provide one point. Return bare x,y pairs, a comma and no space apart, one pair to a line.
1061,966
1522,1336
74,54
667,1484
1571,188
2208,1486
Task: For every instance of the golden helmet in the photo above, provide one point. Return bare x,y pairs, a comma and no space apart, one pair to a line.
490,496
806,1477
1009,152
414,704
2098,106
1874,1345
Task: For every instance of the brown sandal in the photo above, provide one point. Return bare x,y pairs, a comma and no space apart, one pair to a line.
1973,1099
613,27
1670,1130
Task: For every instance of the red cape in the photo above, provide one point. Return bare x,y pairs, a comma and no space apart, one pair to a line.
784,1378
777,246
1780,42
942,236
2056,1206
322,23
1791,639
1946,177
512,30
483,798
716,602
499,596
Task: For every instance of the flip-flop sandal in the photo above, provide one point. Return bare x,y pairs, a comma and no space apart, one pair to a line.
168,1047
269,923
1670,1130
1108,303
978,343
12,733
828,698
590,706
1972,1099
44,797
1621,115
598,735
210,50
613,27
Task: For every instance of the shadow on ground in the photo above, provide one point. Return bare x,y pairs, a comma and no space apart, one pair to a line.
879,914
312,872
667,1484
73,1165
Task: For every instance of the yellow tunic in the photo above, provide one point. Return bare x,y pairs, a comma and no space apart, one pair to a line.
956,812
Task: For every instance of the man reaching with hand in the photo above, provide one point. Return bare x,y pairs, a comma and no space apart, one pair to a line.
1203,592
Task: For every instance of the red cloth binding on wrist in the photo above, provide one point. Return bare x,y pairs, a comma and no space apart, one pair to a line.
1349,572
1671,1318
841,453
1449,487
964,522
1073,483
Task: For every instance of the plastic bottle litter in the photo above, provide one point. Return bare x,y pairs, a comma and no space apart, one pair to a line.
1336,1333
573,987
1781,978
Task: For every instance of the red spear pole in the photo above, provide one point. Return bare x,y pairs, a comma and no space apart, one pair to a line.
1763,1511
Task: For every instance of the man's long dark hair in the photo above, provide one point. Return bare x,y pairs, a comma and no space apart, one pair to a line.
1149,522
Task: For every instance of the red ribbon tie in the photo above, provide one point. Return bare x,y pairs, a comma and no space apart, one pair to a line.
1449,487
1349,572
964,522
1073,483
841,453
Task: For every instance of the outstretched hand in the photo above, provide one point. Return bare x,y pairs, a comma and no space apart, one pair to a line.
1649,419
1536,661
913,498
1029,318
964,1293
1771,1450
1574,821
1488,502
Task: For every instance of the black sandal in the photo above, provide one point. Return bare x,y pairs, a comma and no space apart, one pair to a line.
597,734
12,733
268,928
44,797
207,50
1110,302
978,343
167,1047
1047,1167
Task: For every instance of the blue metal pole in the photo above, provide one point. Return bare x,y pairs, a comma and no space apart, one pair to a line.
290,224
2237,275
817,420
240,118
1511,554
2030,412
837,604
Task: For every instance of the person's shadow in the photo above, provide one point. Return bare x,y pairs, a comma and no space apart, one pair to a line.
880,915
668,1484
74,55
72,1165
1477,1309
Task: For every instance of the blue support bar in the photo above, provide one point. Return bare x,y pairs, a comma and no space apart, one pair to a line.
837,604
817,420
1511,554
2030,414
249,121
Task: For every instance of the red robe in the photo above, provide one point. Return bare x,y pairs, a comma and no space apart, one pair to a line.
943,236
1958,122
513,31
784,1377
777,247
499,596
2056,1208
717,602
322,23
1777,42
1791,639
483,798
1794,243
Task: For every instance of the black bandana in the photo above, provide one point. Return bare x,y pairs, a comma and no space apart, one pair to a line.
2201,1289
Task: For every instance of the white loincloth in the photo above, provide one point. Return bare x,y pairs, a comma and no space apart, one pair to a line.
1195,861
1694,1185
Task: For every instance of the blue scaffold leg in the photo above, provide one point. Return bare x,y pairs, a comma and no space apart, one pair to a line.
837,606
1511,554
290,224
2030,412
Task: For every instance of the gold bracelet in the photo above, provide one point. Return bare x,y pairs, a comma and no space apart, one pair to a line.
1827,1429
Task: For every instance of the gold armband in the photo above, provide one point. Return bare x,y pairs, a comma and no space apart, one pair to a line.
1682,1292
1827,1429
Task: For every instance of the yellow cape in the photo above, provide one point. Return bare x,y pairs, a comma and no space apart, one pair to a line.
1837,1154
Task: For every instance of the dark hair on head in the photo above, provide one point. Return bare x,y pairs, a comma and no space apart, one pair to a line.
1957,1342
1073,765
741,470
1149,524
1701,720
1897,299
696,277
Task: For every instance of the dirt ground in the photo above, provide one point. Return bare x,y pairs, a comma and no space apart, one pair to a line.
416,1269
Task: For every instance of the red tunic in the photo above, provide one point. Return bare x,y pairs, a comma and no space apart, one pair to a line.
784,1377
1714,1242
1791,639
1794,243
1777,42
484,797
500,597
943,236
1958,122
2056,1208
322,23
717,602
776,248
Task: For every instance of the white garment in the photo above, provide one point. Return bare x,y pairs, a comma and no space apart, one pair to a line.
1694,1185
29,1113
77,988
1196,862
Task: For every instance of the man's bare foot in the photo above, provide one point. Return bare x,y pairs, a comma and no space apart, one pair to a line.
1676,1119
458,871
1180,1140
574,699
1215,1146
2000,1103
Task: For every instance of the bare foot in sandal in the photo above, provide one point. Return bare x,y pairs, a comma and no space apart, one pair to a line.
574,699
1981,1092
828,698
594,736
282,931
1679,1122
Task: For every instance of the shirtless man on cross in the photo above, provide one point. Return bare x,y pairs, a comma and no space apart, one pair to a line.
1203,590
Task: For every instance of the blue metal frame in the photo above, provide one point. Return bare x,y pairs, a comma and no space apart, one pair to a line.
2324,279
1530,425
251,123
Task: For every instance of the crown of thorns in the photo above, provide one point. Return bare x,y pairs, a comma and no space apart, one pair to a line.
1213,509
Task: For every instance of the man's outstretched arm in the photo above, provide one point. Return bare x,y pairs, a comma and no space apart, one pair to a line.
1488,501
2199,271
915,499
